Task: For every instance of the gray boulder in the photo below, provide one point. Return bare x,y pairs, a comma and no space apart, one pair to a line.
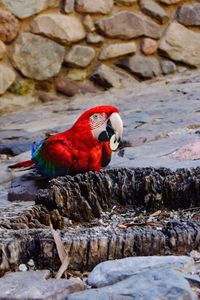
161,283
181,44
37,57
142,66
189,15
110,272
23,8
127,25
7,77
62,28
37,285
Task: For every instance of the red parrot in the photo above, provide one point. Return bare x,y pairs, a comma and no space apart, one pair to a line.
86,146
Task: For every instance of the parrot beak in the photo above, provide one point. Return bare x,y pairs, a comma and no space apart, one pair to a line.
116,123
113,132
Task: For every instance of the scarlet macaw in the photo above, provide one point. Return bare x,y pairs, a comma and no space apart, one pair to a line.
86,146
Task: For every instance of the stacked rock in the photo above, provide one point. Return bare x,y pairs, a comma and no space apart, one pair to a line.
112,43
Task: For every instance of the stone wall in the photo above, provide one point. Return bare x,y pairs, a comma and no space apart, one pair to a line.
74,46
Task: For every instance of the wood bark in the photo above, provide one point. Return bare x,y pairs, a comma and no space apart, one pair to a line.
25,232
89,246
84,196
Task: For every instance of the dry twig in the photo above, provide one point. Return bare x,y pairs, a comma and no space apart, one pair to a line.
63,267
150,223
62,253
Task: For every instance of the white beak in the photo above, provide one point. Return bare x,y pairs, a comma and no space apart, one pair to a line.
117,124
111,131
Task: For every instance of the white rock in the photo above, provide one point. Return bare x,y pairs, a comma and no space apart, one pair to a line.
37,57
181,44
80,56
94,6
111,77
115,50
2,50
62,28
7,77
26,8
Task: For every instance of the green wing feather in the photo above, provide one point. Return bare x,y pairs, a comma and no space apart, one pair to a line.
44,165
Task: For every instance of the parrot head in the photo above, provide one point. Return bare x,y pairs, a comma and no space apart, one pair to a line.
104,123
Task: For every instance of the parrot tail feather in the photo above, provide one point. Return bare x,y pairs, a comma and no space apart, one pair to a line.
28,164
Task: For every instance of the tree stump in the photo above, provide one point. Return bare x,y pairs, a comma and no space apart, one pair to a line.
85,196
82,206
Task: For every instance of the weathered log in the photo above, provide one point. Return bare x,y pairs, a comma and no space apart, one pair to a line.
85,196
26,215
89,246
24,231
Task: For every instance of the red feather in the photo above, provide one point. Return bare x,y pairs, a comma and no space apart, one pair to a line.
24,164
73,151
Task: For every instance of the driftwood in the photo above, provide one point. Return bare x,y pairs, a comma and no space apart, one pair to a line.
25,232
27,216
89,246
85,196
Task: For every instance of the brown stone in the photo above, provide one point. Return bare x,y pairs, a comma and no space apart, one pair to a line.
7,77
22,87
181,69
127,25
62,28
115,50
70,88
37,57
142,66
2,49
88,23
69,6
93,38
170,2
94,6
80,56
47,97
154,10
189,15
9,26
111,77
126,2
77,74
181,44
168,67
66,87
23,8
45,85
148,46
88,87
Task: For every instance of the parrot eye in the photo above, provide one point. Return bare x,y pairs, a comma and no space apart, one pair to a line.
97,120
95,117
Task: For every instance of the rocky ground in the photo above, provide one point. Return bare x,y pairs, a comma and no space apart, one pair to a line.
161,121
111,42
159,118
129,278
52,53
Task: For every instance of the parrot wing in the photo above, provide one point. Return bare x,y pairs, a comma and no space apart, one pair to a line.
106,154
53,157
